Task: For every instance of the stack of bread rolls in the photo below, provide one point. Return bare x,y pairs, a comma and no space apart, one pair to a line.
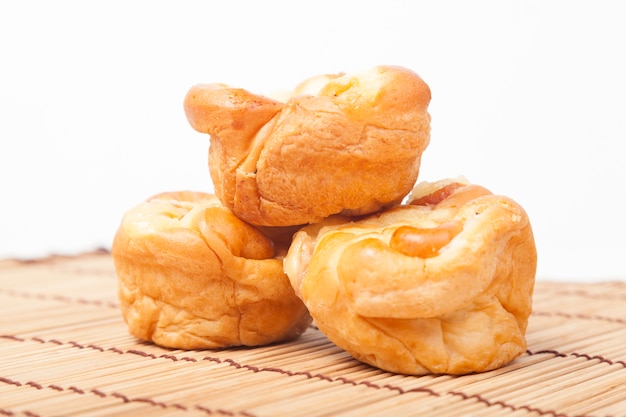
316,217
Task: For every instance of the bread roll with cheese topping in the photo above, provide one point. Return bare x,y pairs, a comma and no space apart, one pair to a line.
192,275
347,144
442,284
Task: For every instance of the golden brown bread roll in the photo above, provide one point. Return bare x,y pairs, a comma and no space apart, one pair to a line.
440,285
192,275
342,144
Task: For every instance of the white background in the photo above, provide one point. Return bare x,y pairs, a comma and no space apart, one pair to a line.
529,100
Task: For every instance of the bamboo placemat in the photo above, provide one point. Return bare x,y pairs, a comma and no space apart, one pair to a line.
65,351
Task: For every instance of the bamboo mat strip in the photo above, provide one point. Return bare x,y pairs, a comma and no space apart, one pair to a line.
65,351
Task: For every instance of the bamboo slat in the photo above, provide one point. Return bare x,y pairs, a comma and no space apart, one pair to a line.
65,351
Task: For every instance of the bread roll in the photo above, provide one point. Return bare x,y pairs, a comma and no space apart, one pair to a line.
192,275
440,285
342,144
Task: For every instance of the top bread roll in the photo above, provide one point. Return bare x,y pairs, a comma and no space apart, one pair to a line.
341,144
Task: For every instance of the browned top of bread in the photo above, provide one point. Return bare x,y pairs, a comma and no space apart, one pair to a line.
343,144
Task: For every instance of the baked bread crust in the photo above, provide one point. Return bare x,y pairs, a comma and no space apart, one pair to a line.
342,144
192,275
443,285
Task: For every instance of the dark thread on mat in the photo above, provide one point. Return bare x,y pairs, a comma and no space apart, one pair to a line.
121,397
238,365
579,316
508,406
587,294
310,375
210,411
5,412
60,257
56,297
321,377
306,374
586,356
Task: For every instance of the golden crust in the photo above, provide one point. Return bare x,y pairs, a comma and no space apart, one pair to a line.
192,275
441,286
342,144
